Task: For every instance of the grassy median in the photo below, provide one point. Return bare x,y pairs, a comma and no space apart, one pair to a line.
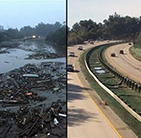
136,52
131,97
134,124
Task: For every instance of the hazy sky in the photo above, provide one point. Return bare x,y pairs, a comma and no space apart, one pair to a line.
19,13
98,10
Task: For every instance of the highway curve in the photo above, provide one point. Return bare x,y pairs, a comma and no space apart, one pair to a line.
124,63
85,119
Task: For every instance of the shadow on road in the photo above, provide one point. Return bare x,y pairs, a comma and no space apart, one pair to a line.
75,92
76,71
68,79
79,116
73,56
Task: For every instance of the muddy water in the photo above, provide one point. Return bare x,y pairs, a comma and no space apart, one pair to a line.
15,57
38,45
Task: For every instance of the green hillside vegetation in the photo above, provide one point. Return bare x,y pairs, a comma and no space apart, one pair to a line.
135,50
73,39
137,42
58,37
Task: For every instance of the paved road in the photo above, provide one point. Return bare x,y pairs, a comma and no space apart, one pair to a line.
84,119
124,63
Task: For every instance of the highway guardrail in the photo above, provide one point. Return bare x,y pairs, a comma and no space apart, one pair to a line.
129,82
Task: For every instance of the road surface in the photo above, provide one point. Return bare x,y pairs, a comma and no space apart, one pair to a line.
85,119
124,63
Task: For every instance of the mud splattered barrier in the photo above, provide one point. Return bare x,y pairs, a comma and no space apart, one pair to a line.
33,101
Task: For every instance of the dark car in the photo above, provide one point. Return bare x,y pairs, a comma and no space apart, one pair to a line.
91,42
121,52
113,54
129,43
80,48
71,54
70,68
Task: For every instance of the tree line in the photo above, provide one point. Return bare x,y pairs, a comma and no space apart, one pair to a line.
58,37
115,27
41,29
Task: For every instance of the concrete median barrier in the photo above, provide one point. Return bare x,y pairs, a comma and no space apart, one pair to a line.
128,82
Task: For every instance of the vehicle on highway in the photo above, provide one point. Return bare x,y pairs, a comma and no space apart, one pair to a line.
71,54
121,52
113,54
91,42
70,68
129,43
80,48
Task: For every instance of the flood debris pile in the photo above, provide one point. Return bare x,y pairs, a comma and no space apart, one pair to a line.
9,44
15,87
4,51
33,101
41,55
31,122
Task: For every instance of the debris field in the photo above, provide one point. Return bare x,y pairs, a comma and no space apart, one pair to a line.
33,101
